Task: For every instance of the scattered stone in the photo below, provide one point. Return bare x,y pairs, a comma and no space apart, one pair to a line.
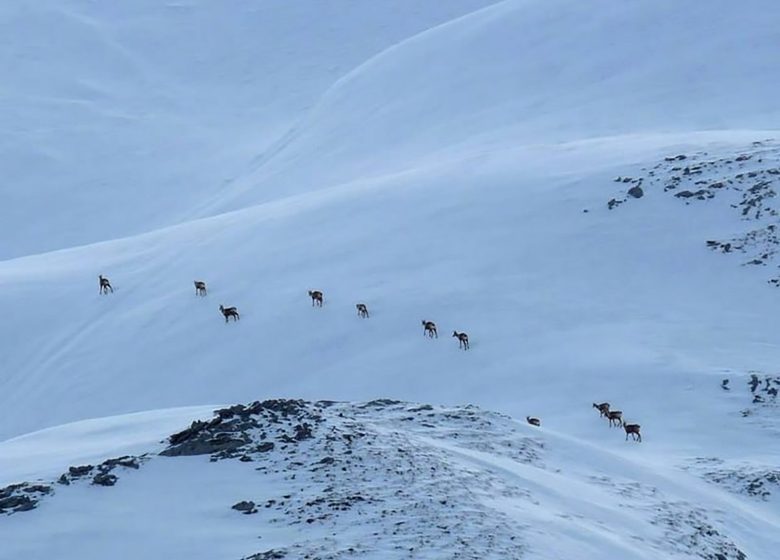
702,177
17,498
421,408
103,476
77,472
701,194
764,389
205,445
303,431
125,461
245,507
745,479
15,502
36,489
104,479
690,531
267,555
380,403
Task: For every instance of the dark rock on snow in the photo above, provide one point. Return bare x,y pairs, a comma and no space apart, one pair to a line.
21,497
104,479
636,192
245,507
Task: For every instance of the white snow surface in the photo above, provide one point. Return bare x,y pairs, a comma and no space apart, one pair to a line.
434,160
117,117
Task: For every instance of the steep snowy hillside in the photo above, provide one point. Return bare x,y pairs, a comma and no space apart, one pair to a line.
119,117
531,72
291,479
587,189
560,304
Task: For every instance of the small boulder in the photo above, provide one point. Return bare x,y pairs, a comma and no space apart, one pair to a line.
636,192
104,479
124,461
80,471
245,507
37,488
19,503
303,431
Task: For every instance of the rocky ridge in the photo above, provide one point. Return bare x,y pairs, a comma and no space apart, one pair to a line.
394,479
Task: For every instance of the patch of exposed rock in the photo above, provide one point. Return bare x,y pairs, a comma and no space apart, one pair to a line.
744,479
688,531
21,497
407,480
764,388
240,431
102,474
745,180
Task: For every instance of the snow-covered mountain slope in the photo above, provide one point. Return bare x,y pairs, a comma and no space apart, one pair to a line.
291,479
469,165
119,117
559,303
531,72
